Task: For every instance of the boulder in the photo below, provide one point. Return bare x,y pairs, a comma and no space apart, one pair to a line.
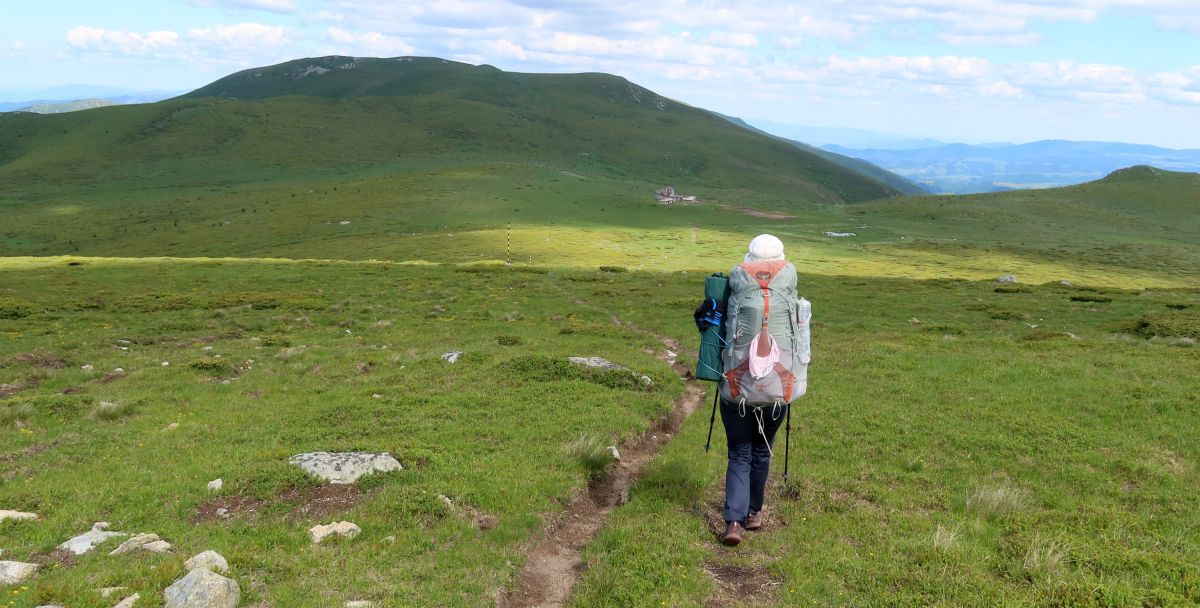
341,528
452,356
209,560
17,515
13,573
129,601
201,588
88,540
143,542
345,467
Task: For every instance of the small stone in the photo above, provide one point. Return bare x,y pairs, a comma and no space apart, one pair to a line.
216,485
144,542
446,500
452,356
1008,278
915,321
171,427
376,396
108,591
345,467
165,364
360,604
13,573
129,601
222,512
206,348
389,539
209,560
646,381
87,367
615,454
202,589
597,362
1066,283
17,515
118,370
88,540
341,528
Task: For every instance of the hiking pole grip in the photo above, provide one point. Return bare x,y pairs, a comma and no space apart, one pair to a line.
713,419
787,442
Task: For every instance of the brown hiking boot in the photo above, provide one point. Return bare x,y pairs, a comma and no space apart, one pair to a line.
754,521
733,533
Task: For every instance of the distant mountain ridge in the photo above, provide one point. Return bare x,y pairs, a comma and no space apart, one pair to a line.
963,168
66,106
854,164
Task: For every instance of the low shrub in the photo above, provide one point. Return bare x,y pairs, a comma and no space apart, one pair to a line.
214,365
1091,298
1175,324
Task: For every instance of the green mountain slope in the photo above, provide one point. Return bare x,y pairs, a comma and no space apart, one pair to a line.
858,165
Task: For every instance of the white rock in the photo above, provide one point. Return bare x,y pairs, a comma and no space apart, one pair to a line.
345,467
1066,283
446,501
1008,278
389,539
87,367
118,370
171,427
106,592
12,573
360,604
165,364
144,542
341,528
129,601
222,512
17,515
88,540
452,356
376,396
599,362
202,589
216,485
615,454
646,381
209,560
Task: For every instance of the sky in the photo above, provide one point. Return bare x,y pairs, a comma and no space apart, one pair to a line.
956,70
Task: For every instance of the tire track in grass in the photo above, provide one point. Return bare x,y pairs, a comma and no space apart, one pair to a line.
553,566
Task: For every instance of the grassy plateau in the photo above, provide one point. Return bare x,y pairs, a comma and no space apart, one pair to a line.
277,262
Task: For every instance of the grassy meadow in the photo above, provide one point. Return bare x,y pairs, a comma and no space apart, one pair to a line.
967,459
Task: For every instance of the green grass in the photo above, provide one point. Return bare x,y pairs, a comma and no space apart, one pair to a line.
494,431
951,461
971,467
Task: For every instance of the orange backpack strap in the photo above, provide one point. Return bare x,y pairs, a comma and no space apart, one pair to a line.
733,378
788,379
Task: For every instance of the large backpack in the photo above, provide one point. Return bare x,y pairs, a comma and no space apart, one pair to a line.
766,332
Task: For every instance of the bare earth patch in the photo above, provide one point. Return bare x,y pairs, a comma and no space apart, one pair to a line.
553,566
741,585
313,502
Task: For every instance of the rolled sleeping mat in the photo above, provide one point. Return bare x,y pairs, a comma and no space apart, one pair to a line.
709,364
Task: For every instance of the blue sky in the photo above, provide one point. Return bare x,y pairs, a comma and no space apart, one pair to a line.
956,70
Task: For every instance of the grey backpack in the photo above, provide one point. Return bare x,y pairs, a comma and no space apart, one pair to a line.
767,335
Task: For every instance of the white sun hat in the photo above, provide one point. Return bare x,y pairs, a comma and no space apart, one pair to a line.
763,248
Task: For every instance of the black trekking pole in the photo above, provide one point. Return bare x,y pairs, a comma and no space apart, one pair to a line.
713,419
787,442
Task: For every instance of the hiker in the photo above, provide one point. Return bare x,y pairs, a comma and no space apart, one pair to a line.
765,360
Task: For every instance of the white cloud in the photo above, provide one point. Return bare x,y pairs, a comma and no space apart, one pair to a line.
369,43
1016,39
240,38
1002,89
1179,23
274,6
16,48
100,40
922,68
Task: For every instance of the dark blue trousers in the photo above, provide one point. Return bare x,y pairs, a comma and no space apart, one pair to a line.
749,456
